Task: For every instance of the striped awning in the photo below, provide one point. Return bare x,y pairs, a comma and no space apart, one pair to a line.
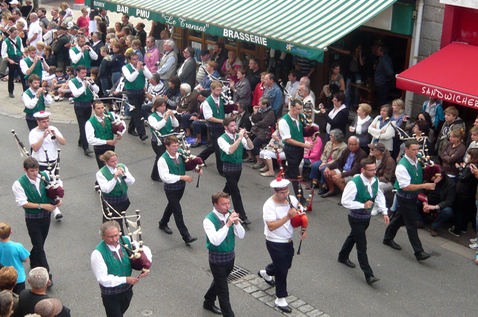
300,27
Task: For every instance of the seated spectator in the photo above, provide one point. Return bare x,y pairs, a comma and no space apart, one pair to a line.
136,45
50,59
407,125
337,116
212,75
453,153
359,126
188,103
439,201
419,131
434,108
65,88
172,94
230,66
40,48
262,119
311,155
13,254
332,151
57,83
452,121
381,128
6,304
464,209
385,173
47,77
344,168
8,280
198,121
155,90
39,281
272,151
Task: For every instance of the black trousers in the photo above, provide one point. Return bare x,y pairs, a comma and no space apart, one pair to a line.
100,150
38,232
294,155
83,114
407,215
174,208
136,123
32,124
214,134
232,188
357,236
159,150
11,77
219,287
281,255
116,305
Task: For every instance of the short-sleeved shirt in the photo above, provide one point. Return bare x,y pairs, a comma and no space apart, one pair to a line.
272,212
13,254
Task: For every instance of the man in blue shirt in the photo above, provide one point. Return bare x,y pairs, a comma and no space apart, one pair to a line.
273,92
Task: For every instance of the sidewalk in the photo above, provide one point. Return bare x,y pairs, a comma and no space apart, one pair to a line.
61,112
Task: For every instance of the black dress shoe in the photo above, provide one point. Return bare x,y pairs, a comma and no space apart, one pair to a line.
133,133
285,309
322,191
392,244
371,279
329,194
165,228
216,310
189,239
246,222
144,137
87,152
156,179
422,256
195,144
271,282
347,262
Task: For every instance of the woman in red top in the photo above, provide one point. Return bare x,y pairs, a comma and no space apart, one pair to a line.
84,21
257,94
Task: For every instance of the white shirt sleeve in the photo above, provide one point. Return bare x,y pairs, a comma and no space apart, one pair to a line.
100,270
284,129
206,110
164,173
93,55
20,196
224,145
217,237
90,135
402,175
129,76
155,124
76,92
147,73
4,49
75,58
23,66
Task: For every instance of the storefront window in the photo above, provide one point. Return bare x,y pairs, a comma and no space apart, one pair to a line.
248,46
197,47
211,38
230,42
195,34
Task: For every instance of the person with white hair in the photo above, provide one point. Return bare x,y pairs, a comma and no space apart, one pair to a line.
188,104
167,64
35,31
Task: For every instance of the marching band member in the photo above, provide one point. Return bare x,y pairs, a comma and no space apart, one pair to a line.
82,54
114,179
30,193
33,63
81,89
34,98
46,137
164,122
99,132
172,171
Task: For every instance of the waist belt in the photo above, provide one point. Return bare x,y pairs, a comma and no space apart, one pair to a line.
279,240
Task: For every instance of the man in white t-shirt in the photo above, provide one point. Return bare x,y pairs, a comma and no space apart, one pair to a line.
35,32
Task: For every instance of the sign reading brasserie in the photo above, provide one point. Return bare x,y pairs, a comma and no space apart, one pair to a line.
450,96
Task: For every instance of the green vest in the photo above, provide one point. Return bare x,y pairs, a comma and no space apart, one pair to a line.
121,188
233,158
168,127
38,70
86,96
138,83
102,132
229,242
415,173
11,51
32,193
295,133
176,169
216,113
114,266
363,194
85,60
40,104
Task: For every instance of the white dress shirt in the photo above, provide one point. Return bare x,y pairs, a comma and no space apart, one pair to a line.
131,76
225,146
20,197
75,58
76,92
350,192
217,237
163,170
107,186
284,128
404,179
206,110
31,103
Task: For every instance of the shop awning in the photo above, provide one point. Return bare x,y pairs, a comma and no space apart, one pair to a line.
449,75
301,27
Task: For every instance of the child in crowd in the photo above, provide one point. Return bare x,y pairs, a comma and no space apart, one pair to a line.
48,77
13,254
57,83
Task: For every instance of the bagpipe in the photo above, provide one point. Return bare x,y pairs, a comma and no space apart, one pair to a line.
54,185
299,220
139,260
21,147
226,93
423,156
117,125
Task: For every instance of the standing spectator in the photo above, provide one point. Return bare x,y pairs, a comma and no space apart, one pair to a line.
434,107
156,28
381,128
104,17
49,33
254,75
383,75
201,71
55,16
12,49
336,117
136,46
452,121
44,22
151,55
13,254
26,9
117,62
222,226
187,71
141,35
305,66
241,89
167,65
84,21
292,87
262,119
273,92
96,46
452,155
61,48
219,54
359,126
126,23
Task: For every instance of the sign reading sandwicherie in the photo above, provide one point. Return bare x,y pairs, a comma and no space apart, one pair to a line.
446,95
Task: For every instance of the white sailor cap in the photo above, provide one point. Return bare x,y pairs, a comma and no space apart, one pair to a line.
280,183
41,114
